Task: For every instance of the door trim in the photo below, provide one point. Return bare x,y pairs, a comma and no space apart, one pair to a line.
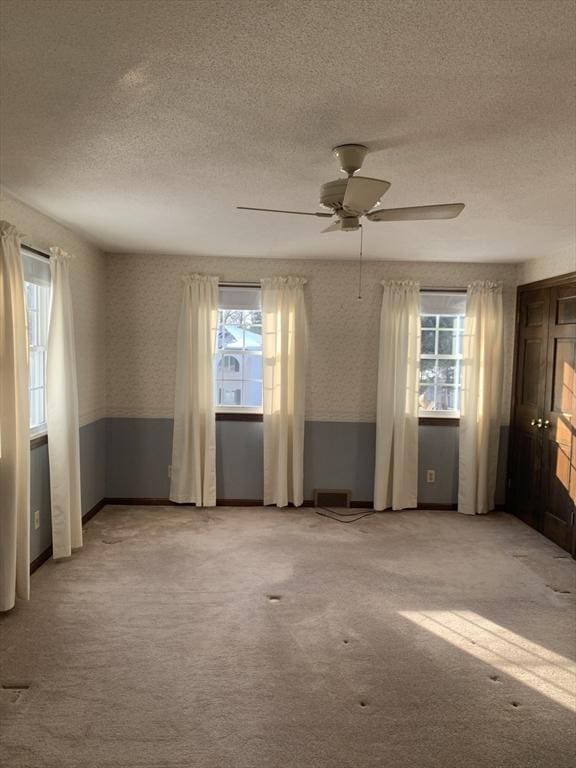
549,282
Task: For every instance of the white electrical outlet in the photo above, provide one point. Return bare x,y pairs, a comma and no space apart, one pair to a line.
169,470
430,475
37,519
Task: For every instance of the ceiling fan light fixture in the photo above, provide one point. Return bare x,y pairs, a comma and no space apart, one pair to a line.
349,224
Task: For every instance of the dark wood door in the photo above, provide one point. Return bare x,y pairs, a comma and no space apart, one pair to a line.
558,474
527,421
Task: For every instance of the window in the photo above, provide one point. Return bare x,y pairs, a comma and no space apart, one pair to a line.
238,357
36,273
441,333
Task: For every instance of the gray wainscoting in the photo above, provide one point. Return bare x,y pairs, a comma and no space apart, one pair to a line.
93,463
41,538
129,458
93,479
337,455
139,453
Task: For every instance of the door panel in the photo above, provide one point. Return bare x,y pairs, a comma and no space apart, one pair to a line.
559,449
533,354
525,465
525,454
566,307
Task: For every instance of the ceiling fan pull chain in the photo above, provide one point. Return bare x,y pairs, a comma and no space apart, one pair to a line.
360,264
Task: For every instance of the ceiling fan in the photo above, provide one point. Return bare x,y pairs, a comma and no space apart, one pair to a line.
356,196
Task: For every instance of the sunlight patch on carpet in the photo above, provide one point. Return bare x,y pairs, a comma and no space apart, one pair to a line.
529,663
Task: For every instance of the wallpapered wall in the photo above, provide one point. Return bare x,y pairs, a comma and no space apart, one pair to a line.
126,312
88,294
142,314
548,266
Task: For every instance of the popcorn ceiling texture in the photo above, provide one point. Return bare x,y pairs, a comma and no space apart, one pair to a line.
144,294
144,123
87,274
549,266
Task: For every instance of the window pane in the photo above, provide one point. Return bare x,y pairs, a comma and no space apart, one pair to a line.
427,371
31,296
252,393
448,321
37,416
36,368
446,371
230,337
232,317
33,339
253,338
230,393
428,321
253,318
43,312
428,341
446,399
230,367
446,345
426,398
253,366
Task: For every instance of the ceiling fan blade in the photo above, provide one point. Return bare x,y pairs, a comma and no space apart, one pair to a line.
333,227
363,193
417,213
275,210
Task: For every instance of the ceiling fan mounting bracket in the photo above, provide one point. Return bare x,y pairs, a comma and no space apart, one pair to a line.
350,157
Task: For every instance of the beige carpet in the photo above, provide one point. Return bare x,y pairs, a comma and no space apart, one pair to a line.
407,640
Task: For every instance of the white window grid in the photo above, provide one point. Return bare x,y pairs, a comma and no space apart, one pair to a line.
433,323
235,360
37,308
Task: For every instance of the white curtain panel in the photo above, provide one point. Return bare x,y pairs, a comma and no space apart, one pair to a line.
194,442
396,466
14,426
481,398
62,413
284,348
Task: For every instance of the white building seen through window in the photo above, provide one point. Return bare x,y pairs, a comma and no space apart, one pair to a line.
238,357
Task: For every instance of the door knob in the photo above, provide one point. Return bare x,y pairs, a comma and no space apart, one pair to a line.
536,423
547,424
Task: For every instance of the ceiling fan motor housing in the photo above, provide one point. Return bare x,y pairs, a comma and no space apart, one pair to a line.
332,194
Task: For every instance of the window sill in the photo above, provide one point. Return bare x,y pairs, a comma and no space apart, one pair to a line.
36,440
238,416
439,421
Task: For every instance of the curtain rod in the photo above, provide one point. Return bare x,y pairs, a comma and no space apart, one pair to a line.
443,290
36,251
227,284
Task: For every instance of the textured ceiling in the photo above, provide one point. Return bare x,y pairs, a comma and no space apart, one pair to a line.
143,124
